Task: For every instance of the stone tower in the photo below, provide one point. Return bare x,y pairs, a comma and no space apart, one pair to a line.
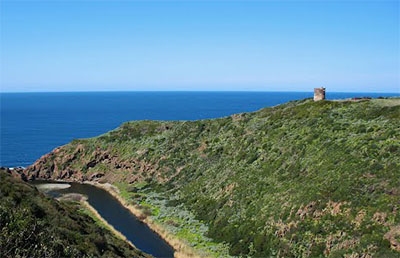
319,94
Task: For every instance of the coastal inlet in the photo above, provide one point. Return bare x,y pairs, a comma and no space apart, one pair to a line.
115,214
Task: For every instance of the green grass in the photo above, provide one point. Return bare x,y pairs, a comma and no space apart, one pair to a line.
176,220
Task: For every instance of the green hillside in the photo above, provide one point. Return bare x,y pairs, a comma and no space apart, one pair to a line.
33,225
300,179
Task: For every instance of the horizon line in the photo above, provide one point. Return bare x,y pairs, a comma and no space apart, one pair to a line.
114,91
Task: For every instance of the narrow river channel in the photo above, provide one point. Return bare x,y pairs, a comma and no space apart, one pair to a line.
120,218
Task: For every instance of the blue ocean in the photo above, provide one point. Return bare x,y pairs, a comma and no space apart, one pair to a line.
33,124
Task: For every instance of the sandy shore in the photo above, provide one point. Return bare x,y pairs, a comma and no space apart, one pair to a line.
52,186
181,248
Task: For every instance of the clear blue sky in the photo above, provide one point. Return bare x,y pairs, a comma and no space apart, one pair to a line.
200,45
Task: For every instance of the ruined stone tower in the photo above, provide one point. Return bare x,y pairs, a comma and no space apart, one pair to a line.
319,94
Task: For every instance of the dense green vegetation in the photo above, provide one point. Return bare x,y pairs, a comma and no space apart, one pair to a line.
33,225
300,179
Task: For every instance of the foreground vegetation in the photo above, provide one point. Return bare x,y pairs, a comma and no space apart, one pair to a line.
33,225
296,180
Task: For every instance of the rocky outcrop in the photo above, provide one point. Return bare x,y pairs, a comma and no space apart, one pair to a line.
55,165
75,163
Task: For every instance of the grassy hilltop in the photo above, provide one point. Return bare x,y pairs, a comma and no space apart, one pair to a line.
300,179
33,225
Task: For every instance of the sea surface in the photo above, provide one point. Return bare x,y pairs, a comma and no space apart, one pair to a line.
33,124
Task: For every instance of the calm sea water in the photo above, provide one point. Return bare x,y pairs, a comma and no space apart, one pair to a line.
33,124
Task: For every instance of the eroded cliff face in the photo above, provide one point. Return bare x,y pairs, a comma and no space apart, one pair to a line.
77,163
54,165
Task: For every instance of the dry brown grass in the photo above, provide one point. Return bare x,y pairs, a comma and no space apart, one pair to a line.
387,102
